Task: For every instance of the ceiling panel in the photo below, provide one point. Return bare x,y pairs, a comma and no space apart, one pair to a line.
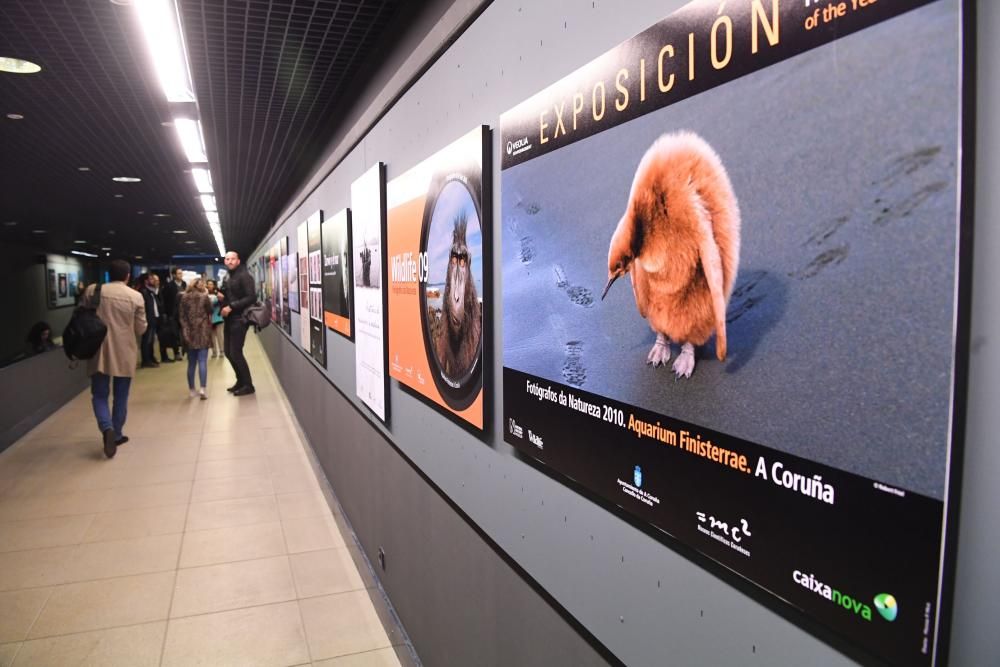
267,75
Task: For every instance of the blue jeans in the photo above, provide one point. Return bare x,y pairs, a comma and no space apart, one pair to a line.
100,384
199,357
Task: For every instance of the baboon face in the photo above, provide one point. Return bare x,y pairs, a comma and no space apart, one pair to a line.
459,268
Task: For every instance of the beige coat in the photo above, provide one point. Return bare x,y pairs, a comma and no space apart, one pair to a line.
124,313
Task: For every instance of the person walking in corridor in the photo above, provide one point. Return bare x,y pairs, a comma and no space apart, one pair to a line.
124,314
194,311
237,295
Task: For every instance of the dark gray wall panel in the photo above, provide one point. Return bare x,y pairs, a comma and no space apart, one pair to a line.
33,389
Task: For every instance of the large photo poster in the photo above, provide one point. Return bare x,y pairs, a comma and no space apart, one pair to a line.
61,281
437,220
731,268
367,234
305,337
317,333
286,311
337,272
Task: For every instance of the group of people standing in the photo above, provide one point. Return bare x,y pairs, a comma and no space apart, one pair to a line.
195,318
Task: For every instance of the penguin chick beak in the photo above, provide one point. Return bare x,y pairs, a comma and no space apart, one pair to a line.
611,282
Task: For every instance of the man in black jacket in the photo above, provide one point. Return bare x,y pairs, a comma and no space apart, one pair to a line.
237,294
154,308
171,298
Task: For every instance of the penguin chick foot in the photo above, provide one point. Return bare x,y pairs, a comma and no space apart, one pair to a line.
660,354
684,364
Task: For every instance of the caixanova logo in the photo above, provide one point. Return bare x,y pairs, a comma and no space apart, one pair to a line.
810,582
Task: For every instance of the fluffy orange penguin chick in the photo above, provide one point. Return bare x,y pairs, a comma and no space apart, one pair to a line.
680,240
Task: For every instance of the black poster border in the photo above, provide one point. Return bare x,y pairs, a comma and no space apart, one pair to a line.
513,124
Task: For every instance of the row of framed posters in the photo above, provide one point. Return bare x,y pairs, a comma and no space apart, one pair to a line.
732,303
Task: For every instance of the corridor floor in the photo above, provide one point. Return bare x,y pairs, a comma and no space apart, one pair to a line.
207,540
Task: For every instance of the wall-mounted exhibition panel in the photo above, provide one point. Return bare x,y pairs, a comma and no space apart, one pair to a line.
337,272
302,233
368,241
283,283
731,291
437,227
317,333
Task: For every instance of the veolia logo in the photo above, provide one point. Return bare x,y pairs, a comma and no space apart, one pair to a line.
887,606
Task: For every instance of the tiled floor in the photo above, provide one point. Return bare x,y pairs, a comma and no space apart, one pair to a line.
207,540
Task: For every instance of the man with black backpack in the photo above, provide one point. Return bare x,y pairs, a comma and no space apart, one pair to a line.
124,314
238,294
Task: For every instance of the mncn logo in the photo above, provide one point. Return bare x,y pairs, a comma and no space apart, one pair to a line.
887,606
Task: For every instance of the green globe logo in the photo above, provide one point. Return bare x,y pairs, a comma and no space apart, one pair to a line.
886,605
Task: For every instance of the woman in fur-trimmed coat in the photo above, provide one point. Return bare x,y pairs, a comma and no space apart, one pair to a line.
195,314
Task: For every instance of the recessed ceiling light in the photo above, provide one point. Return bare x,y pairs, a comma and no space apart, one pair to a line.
80,252
190,242
126,179
140,212
15,116
38,231
78,241
10,223
180,231
105,248
83,168
119,196
138,256
161,215
18,66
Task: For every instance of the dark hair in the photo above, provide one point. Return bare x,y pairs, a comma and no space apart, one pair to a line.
35,335
119,269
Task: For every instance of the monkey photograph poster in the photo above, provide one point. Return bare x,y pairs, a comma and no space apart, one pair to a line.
437,220
367,240
732,249
317,333
337,272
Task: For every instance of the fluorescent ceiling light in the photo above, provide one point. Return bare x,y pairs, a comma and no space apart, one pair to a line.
38,231
161,215
105,248
203,180
18,66
83,168
80,252
192,140
161,27
79,241
15,116
180,231
190,242
213,217
126,179
208,203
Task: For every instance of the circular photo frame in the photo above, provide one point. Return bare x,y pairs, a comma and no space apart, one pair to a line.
451,302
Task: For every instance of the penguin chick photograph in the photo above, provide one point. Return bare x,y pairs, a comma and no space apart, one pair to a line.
679,241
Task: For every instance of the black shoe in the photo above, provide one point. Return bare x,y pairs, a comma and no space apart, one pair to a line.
234,387
243,391
149,364
167,360
110,447
121,441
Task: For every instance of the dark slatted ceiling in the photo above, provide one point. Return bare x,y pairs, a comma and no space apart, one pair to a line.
267,75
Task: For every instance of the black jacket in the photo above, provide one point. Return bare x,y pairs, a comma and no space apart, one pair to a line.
148,298
170,294
238,290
